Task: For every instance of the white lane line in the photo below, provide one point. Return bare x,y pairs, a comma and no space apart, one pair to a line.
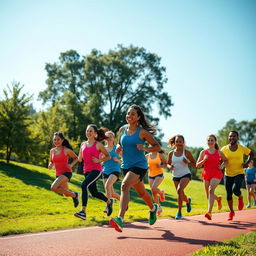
49,233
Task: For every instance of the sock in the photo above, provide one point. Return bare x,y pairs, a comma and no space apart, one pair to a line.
153,209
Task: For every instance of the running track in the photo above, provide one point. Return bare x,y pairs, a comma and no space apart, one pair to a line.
166,237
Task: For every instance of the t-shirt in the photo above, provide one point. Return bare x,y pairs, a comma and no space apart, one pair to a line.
250,174
235,159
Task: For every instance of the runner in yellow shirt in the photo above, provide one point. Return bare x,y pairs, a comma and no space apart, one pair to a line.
234,171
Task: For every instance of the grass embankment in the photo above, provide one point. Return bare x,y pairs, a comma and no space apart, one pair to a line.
242,245
28,205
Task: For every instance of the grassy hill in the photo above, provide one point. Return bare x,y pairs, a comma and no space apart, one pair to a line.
28,205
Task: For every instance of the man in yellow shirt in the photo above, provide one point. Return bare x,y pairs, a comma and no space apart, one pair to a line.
234,171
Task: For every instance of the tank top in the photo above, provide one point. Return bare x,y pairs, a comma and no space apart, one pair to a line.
212,162
154,170
132,157
180,168
61,162
88,153
111,165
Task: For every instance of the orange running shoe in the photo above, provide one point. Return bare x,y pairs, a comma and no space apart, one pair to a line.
240,203
162,196
208,216
219,202
231,215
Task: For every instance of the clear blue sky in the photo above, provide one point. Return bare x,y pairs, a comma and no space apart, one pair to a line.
208,48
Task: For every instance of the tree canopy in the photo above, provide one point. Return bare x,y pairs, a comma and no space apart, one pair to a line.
99,88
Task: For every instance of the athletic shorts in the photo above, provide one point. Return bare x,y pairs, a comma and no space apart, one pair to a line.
249,182
106,176
179,178
217,174
67,174
139,171
153,177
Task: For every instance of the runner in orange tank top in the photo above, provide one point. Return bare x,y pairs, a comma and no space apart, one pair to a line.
156,161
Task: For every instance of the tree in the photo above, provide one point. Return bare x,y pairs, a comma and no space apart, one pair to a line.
246,130
14,121
123,77
99,88
65,85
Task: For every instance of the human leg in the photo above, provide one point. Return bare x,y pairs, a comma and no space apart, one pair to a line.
60,185
238,180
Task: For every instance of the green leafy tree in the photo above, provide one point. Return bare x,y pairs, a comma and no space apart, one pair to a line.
99,88
14,122
246,130
123,77
65,85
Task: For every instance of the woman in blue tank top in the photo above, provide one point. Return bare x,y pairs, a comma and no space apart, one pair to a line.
134,165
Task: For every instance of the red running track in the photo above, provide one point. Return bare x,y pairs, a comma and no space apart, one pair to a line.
166,237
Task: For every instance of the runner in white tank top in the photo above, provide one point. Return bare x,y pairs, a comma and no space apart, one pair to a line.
180,168
178,161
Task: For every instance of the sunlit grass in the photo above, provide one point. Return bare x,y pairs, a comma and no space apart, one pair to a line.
242,245
28,205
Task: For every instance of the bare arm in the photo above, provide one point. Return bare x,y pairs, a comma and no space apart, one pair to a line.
223,159
201,159
118,145
80,156
105,154
169,161
191,159
71,154
147,136
250,157
163,161
51,164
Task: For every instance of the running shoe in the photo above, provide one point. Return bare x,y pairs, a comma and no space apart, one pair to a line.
162,196
117,224
231,215
110,207
76,200
248,206
208,216
240,203
81,215
159,211
219,202
152,215
189,205
106,209
178,216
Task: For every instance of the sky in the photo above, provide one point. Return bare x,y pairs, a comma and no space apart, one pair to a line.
207,47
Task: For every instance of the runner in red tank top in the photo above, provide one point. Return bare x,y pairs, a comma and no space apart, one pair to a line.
59,156
210,158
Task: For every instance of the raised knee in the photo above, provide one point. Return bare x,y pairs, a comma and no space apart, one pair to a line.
125,187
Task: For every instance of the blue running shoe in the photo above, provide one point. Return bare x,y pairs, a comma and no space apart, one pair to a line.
178,216
189,205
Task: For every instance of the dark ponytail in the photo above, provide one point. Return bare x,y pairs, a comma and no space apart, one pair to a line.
100,132
65,142
143,120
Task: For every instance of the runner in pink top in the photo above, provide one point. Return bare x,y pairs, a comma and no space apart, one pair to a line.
90,153
59,156
210,158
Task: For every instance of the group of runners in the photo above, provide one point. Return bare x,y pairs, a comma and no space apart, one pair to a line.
135,159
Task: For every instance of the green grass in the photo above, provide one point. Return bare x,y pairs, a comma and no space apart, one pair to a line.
28,205
242,245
